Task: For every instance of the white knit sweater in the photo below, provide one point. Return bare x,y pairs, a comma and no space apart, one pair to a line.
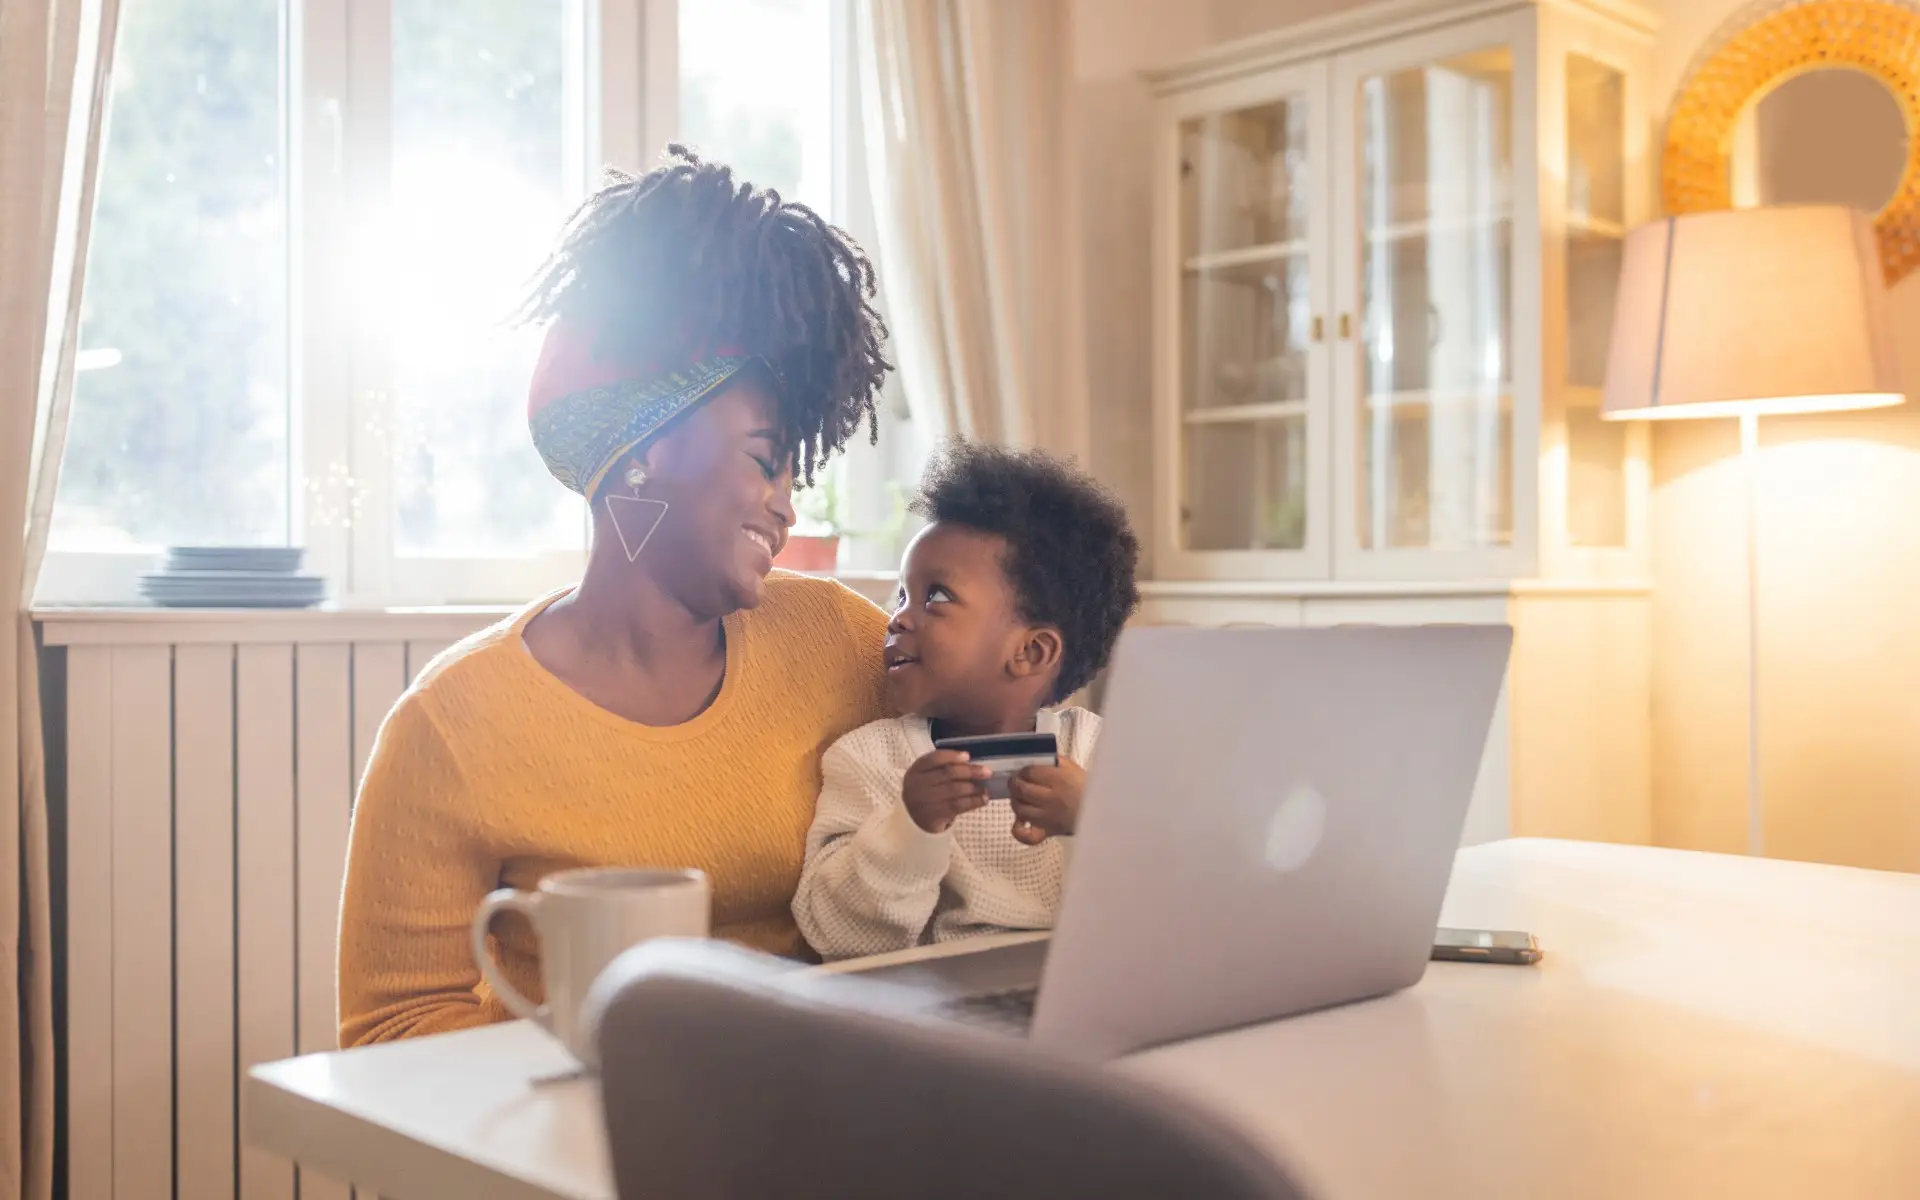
874,881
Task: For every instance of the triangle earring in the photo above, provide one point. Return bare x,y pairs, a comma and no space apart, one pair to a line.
633,546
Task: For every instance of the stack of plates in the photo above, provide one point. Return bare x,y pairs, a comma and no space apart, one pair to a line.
233,577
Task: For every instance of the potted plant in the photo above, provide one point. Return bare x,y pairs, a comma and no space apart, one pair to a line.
814,544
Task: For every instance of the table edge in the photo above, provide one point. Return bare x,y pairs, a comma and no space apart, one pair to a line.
313,1134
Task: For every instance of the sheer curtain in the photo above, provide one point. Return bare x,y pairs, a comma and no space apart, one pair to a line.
54,57
964,104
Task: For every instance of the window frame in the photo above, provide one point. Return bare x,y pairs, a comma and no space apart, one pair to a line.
337,129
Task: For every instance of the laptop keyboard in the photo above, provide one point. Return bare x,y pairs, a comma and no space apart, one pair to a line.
1010,1011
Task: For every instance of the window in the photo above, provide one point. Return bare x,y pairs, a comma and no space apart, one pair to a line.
762,104
180,418
485,167
309,237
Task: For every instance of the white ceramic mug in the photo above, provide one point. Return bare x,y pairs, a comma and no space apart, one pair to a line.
583,920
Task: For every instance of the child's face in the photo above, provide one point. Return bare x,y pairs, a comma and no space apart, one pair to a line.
957,649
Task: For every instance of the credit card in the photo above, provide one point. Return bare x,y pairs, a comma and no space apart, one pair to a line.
1007,754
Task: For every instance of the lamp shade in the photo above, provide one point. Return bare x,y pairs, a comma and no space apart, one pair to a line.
1755,310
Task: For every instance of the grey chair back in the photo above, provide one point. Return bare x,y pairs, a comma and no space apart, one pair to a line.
727,1075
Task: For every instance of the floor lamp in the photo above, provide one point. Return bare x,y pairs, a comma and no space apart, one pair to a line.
1744,313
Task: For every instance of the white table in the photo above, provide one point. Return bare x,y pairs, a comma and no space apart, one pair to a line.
1702,1026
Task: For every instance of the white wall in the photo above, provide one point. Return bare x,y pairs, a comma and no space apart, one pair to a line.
1113,41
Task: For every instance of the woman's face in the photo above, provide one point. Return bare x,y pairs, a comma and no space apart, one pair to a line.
729,491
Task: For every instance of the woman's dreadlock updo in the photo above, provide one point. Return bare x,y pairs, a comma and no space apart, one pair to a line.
656,265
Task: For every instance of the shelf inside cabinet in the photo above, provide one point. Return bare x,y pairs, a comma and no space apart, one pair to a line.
1403,231
1247,263
1442,397
1581,225
1225,414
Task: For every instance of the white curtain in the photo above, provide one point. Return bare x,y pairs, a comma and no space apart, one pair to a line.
964,104
54,58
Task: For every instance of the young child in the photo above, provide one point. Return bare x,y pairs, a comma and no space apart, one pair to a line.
1010,601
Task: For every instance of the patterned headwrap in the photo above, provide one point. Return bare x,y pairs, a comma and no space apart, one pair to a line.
587,410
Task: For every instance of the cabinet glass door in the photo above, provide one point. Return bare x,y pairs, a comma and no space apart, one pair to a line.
1433,424
1247,317
1596,224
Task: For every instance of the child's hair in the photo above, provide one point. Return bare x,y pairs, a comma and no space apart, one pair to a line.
1071,554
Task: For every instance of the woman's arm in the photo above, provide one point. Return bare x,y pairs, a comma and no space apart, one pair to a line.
872,877
416,873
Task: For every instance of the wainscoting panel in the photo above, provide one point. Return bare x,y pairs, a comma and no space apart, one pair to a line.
142,924
323,777
209,791
90,923
266,919
203,898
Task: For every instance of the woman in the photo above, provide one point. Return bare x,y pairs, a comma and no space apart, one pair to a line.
707,341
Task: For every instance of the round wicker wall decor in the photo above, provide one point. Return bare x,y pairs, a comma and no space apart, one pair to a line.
1879,38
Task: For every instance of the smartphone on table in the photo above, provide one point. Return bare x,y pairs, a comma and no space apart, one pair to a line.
1006,755
1486,946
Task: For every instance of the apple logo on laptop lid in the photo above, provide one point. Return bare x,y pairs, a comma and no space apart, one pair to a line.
1294,832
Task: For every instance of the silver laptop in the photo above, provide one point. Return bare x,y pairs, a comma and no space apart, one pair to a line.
1269,825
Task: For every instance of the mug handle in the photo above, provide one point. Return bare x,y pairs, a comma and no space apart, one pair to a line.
506,900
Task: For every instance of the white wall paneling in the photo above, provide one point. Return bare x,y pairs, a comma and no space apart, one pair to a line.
212,761
203,864
89,875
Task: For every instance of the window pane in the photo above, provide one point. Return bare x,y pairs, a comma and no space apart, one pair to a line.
1246,312
1245,485
487,161
1596,220
756,92
179,431
1436,268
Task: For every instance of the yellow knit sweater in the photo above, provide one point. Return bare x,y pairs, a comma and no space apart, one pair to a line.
491,772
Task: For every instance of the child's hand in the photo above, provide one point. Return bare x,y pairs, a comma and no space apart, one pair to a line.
941,786
1046,801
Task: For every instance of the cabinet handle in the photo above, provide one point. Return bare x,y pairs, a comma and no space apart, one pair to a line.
1319,329
1346,325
